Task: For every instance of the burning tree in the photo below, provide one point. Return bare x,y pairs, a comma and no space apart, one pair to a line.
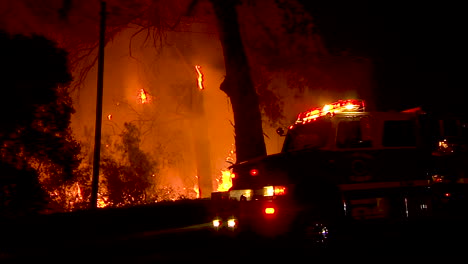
158,17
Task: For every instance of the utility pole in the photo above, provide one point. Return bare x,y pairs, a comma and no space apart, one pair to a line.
97,132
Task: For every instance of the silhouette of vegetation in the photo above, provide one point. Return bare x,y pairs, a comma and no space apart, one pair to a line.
129,173
36,140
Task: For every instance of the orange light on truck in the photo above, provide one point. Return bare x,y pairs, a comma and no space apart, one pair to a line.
274,190
280,190
269,210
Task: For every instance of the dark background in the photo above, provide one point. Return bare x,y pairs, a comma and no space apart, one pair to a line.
416,47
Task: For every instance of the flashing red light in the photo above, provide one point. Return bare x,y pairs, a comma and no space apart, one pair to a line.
269,210
253,172
448,194
350,105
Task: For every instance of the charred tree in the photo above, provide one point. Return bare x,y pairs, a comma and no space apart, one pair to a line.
238,84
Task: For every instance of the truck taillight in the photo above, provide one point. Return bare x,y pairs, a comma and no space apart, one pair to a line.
274,190
269,210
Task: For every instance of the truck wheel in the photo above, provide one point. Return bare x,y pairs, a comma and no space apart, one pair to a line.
311,232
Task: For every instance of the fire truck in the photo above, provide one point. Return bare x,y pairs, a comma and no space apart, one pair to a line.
341,165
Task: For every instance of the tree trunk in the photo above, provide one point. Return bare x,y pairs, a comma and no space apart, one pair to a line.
238,84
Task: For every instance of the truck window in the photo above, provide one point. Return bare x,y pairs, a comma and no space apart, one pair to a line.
399,133
349,135
311,135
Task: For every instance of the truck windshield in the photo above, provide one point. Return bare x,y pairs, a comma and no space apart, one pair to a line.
311,135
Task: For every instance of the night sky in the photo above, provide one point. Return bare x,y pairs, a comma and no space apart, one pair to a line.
416,47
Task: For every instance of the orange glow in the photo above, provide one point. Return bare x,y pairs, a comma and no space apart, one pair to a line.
200,77
269,210
143,97
226,181
101,201
196,188
109,117
78,192
280,190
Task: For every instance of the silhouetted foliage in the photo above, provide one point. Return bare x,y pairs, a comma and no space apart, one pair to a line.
35,136
128,171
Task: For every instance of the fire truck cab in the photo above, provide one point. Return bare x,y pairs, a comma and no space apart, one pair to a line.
340,164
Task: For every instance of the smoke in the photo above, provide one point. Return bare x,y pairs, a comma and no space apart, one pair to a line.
186,130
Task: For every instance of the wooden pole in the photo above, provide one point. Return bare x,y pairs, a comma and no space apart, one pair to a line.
97,133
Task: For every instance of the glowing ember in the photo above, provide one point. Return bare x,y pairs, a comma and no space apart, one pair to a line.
101,203
200,77
109,117
143,97
78,192
226,181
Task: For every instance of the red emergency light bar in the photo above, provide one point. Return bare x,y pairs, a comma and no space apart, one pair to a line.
349,105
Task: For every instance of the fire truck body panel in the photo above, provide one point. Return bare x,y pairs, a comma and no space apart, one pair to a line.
347,166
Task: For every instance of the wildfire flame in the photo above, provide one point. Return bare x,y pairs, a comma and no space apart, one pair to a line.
78,192
197,190
200,77
226,181
143,97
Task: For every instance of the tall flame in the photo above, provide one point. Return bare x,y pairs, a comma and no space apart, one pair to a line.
200,77
226,181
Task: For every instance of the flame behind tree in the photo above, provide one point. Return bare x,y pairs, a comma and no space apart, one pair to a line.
225,182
